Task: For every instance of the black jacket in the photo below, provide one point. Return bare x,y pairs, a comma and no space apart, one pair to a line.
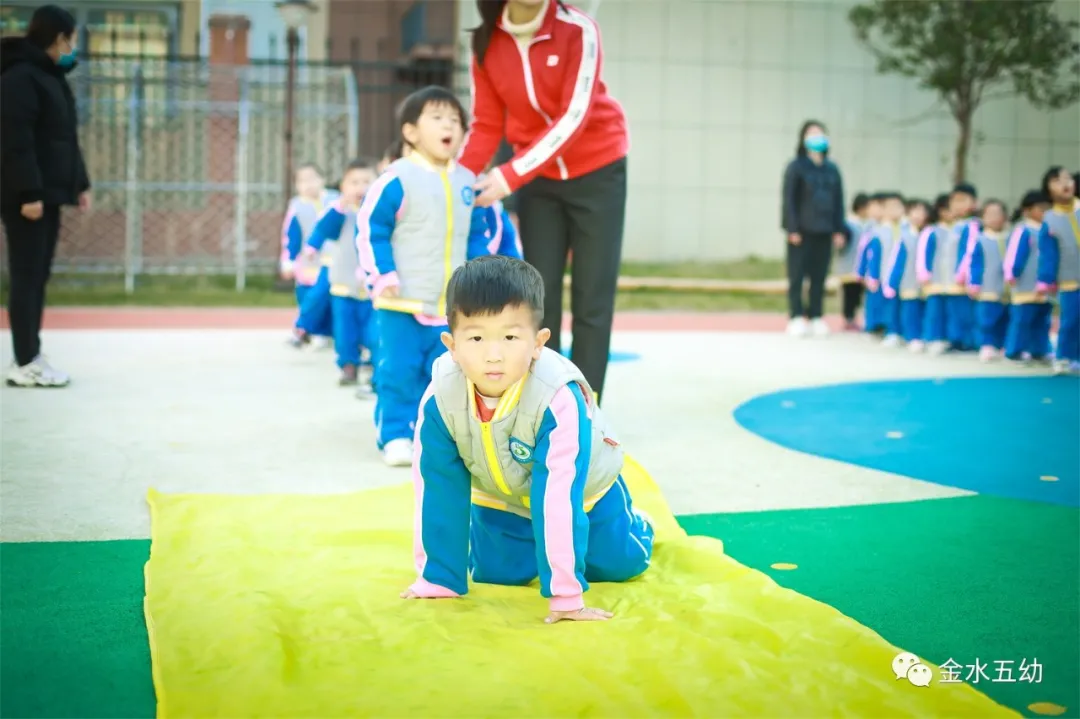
39,143
813,201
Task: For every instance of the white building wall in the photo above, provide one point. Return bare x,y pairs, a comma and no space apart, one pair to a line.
715,92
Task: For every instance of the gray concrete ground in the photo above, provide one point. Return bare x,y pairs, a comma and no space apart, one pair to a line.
239,412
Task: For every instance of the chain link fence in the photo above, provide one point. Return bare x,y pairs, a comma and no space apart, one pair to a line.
187,163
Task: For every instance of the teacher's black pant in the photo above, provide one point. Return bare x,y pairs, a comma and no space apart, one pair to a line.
31,245
584,216
809,259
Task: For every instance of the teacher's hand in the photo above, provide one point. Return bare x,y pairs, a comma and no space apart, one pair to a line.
490,189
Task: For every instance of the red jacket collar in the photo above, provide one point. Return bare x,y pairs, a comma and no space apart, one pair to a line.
547,27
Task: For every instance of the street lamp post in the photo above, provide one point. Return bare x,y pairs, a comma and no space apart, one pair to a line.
294,13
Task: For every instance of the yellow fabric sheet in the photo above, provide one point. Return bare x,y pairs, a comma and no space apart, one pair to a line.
287,606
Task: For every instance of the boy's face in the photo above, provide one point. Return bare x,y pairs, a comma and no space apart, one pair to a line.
1062,188
961,205
355,185
894,209
438,132
875,210
309,183
917,215
495,351
993,217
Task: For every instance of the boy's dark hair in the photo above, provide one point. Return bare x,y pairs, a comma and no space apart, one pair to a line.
308,166
394,150
877,197
1048,176
942,202
48,23
860,202
1030,199
412,107
965,188
487,285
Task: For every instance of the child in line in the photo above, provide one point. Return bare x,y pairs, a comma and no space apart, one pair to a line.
942,269
350,307
311,199
882,314
417,225
1028,335
901,284
986,284
847,257
1059,264
517,472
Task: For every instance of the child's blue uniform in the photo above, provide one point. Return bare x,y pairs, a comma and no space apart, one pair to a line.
502,237
902,282
417,225
300,221
1029,314
987,282
1059,268
944,266
881,314
316,317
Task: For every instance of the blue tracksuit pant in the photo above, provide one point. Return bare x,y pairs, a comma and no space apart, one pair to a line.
618,542
1029,330
354,327
1068,344
407,349
890,310
315,313
950,318
911,319
874,317
992,319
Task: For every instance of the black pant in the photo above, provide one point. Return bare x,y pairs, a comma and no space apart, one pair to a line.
852,299
810,258
584,216
31,246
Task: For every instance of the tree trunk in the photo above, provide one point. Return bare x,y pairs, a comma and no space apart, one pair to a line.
963,144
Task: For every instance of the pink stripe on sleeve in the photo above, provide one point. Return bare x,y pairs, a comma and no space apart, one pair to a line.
363,226
963,273
1011,251
558,509
922,272
496,235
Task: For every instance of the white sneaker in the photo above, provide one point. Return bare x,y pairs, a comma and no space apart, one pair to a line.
398,453
797,327
37,373
819,327
988,354
916,346
891,341
937,348
320,343
1061,366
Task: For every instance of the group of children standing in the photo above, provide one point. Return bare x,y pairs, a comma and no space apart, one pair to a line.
371,261
954,276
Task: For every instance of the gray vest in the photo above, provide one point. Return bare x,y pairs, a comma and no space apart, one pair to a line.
307,215
1065,228
1023,291
909,283
947,253
993,279
498,454
847,259
346,261
431,238
887,235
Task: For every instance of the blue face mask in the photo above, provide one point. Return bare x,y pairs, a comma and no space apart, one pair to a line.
67,59
816,143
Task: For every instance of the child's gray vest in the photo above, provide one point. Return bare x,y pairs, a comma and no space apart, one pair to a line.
993,279
343,277
431,238
947,255
847,258
307,214
1065,228
888,235
1023,292
909,282
499,454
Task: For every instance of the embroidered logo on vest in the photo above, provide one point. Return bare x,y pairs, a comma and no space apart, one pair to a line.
467,195
521,452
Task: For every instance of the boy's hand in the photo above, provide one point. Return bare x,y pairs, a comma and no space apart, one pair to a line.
585,614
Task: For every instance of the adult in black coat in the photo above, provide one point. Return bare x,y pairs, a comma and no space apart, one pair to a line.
41,170
813,218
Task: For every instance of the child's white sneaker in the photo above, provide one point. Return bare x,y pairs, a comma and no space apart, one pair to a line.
37,373
937,348
891,341
1061,366
916,346
819,327
797,327
987,354
320,343
398,453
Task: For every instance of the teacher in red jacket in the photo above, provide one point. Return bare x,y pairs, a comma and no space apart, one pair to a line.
536,78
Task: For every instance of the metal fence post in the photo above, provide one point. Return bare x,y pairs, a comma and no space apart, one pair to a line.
240,224
132,234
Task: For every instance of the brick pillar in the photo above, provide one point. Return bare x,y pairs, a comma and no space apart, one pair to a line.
228,50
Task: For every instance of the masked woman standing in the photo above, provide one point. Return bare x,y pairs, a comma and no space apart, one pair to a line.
42,169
